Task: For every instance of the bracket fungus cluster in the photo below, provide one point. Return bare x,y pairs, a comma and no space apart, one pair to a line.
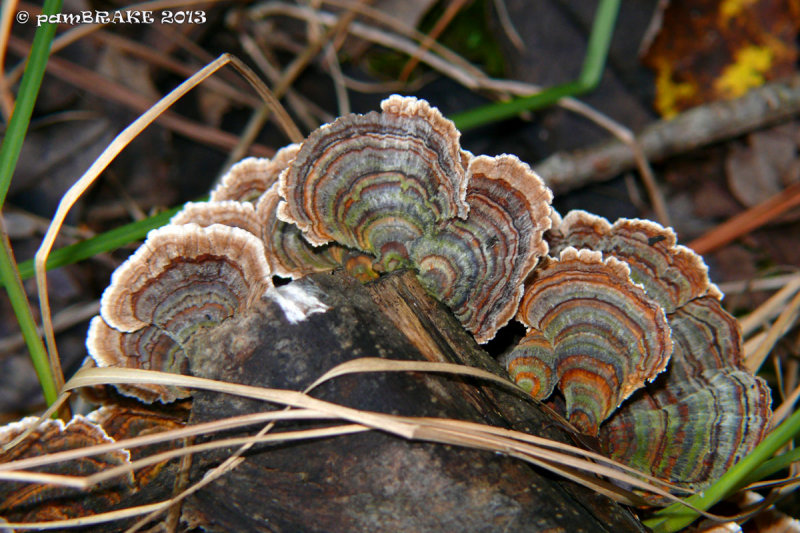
606,329
608,307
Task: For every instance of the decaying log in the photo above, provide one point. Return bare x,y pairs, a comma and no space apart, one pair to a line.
375,481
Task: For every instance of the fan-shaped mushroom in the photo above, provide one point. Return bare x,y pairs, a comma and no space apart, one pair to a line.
703,414
247,180
706,411
375,182
289,254
32,502
226,212
476,266
182,279
671,274
607,337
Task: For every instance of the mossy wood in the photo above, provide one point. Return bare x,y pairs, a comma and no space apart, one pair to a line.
375,481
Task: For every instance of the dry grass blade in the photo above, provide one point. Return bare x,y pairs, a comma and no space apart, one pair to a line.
154,57
38,477
92,82
6,96
774,483
545,443
568,461
55,407
627,137
107,376
771,308
401,28
449,13
785,409
409,428
282,437
376,364
85,181
71,316
771,283
116,146
507,25
748,220
455,67
207,428
778,329
287,78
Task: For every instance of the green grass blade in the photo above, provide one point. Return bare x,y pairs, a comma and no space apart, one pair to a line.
28,91
773,466
676,516
19,302
591,72
9,155
105,242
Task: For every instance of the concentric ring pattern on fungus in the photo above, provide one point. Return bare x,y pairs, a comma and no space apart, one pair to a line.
23,501
183,278
607,311
476,266
606,337
705,412
375,182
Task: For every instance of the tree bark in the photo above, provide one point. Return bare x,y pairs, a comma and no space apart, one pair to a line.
375,481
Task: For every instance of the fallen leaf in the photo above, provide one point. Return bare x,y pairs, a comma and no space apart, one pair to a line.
707,50
764,166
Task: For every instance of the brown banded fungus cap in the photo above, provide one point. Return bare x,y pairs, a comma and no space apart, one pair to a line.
247,180
705,412
226,212
596,330
289,254
397,186
122,422
33,502
476,266
183,278
671,274
375,182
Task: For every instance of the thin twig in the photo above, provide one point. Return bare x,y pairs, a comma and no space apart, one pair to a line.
754,285
748,220
627,137
784,321
786,407
472,79
96,84
290,74
332,60
299,104
700,126
156,58
65,319
771,308
507,25
387,86
447,17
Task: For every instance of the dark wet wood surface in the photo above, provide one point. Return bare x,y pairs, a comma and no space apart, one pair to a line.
376,481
